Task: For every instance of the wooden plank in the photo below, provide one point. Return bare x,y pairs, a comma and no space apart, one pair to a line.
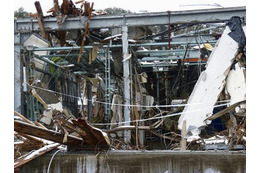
88,137
222,112
85,33
136,125
25,159
39,124
40,19
28,121
21,116
80,1
56,7
66,6
51,135
40,22
86,8
32,138
94,137
183,136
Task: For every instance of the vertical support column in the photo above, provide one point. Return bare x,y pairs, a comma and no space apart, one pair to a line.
17,74
106,88
158,87
89,91
107,85
166,88
126,62
109,82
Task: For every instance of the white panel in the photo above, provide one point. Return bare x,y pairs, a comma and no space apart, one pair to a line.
209,85
236,85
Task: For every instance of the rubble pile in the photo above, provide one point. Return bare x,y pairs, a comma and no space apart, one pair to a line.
130,88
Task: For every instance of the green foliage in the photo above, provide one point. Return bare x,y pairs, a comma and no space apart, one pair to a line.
116,10
20,13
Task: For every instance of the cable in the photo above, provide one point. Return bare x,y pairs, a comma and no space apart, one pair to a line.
48,170
156,106
153,118
177,78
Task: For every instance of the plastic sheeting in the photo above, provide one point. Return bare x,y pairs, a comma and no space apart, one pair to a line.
237,32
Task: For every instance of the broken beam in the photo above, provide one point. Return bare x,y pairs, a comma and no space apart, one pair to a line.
86,31
56,7
21,116
66,6
25,159
40,18
51,135
40,22
222,112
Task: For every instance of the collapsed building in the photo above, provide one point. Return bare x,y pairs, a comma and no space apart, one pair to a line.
92,81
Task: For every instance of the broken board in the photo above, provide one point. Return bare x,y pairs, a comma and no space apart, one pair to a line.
209,85
51,135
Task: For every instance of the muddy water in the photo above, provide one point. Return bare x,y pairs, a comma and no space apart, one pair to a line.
140,162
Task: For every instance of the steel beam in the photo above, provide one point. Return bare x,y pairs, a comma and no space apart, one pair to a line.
191,38
109,21
166,58
113,46
170,53
170,65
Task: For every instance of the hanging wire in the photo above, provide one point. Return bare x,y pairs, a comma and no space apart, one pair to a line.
178,75
161,117
48,170
156,106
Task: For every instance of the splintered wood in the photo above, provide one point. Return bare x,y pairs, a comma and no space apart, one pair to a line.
51,135
86,31
27,158
90,135
93,136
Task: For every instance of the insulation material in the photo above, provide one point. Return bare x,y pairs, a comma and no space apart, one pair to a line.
236,86
209,85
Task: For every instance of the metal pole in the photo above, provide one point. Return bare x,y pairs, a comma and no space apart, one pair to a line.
89,89
107,84
157,87
127,133
109,80
17,74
